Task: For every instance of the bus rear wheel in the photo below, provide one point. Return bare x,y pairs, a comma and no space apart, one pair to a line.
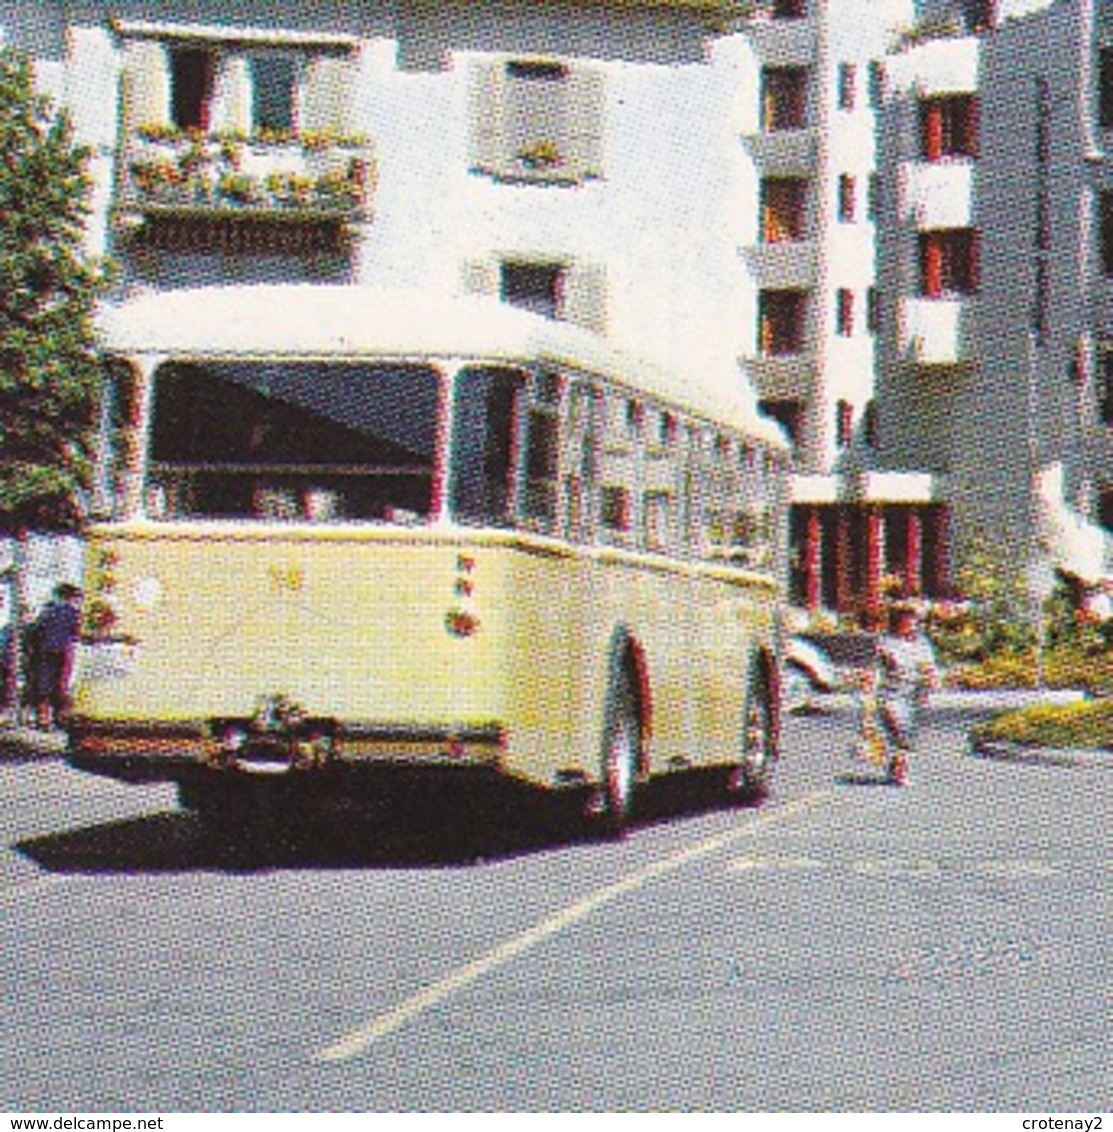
759,738
620,762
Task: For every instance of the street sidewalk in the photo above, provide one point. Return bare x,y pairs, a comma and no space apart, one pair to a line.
21,743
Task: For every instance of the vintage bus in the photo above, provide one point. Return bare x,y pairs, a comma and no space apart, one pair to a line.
372,542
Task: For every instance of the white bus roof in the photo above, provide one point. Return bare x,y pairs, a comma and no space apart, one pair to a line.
355,322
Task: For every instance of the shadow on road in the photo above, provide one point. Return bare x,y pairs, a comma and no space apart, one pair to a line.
401,837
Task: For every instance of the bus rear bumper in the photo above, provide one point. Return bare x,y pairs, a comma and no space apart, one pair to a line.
312,749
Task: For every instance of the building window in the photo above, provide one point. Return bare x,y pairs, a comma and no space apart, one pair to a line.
848,82
1105,386
871,431
848,191
191,88
537,287
873,311
873,196
231,88
844,312
949,262
789,414
538,120
785,98
949,126
274,93
1043,221
1105,92
1106,208
789,9
782,322
979,15
1041,324
844,424
784,204
615,510
876,83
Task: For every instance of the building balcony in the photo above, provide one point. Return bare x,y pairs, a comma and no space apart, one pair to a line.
787,265
784,153
936,332
784,43
782,376
937,194
167,174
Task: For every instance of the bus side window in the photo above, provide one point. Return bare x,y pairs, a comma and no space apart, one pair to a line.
663,471
691,489
485,427
581,431
622,471
541,445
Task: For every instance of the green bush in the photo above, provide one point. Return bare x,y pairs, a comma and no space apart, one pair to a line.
1087,725
1063,667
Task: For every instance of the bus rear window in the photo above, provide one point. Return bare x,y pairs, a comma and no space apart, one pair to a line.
293,441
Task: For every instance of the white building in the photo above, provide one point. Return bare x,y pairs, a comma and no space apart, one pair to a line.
695,179
997,380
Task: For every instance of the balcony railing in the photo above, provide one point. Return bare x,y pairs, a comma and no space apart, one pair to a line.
789,264
935,332
784,43
784,153
937,194
312,178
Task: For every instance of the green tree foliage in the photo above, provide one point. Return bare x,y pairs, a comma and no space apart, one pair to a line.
48,370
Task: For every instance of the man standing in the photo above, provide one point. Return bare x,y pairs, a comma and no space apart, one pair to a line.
59,627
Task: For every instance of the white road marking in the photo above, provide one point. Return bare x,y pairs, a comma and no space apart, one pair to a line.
785,864
352,1044
1014,870
897,867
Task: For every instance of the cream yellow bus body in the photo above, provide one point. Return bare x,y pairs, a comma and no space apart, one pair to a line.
615,624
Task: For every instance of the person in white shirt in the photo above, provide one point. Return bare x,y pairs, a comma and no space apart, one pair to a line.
906,673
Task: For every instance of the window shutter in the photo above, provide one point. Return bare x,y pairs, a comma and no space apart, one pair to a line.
232,98
146,84
480,277
584,301
488,116
585,121
326,94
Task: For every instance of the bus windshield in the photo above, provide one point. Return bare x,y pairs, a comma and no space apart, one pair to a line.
312,441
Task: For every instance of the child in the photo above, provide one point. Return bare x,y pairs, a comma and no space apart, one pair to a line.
905,673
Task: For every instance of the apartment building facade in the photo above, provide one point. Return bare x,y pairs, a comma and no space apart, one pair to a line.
799,192
992,379
693,179
576,159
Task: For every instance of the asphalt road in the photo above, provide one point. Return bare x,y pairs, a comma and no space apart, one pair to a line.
845,946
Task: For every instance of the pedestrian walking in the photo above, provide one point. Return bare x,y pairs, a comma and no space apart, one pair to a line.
905,673
58,628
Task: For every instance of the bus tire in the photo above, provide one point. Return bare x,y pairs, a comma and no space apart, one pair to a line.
621,758
759,734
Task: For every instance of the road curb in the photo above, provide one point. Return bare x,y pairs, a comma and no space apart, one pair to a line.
1018,753
22,744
